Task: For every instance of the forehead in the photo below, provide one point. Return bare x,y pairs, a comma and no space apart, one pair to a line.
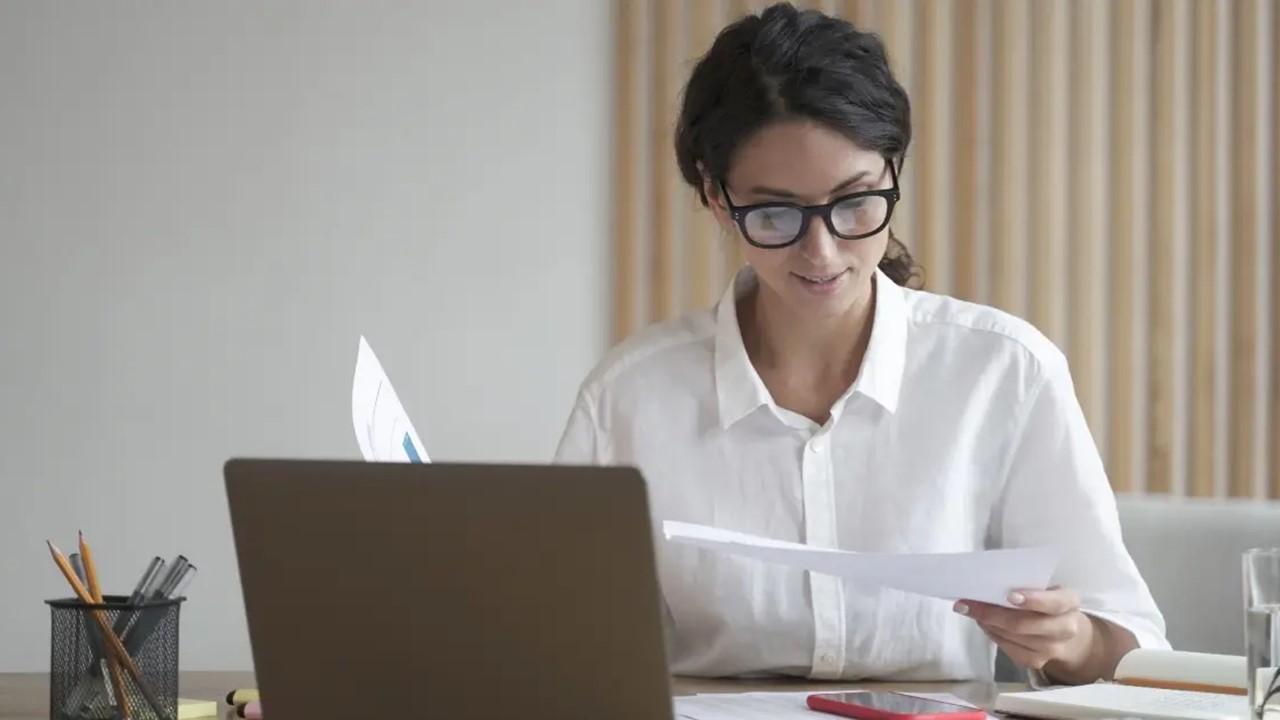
801,156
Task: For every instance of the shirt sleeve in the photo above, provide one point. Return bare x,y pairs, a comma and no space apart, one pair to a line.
1057,493
580,443
584,442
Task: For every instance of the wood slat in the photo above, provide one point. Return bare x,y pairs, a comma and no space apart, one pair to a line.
701,237
1129,46
1275,254
663,299
1047,243
738,8
1010,193
626,165
934,188
1269,374
968,182
862,13
1221,180
1204,292
1089,206
731,257
964,135
1170,133
897,26
1244,255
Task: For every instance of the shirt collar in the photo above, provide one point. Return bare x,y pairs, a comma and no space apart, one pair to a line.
739,389
880,377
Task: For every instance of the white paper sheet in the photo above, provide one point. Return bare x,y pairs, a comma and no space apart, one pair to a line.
745,706
382,427
987,576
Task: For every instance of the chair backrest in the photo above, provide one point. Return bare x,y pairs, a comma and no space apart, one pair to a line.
1188,551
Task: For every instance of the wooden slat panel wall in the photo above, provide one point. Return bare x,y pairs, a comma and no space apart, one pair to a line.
1107,170
1274,415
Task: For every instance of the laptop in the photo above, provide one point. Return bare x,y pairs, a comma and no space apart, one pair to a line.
450,591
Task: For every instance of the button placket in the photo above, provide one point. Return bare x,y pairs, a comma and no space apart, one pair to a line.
826,592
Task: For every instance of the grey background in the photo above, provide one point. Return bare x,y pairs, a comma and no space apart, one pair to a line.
202,205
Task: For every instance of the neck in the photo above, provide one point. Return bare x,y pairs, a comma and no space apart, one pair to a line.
826,349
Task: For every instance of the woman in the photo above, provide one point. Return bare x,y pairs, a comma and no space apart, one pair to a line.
822,401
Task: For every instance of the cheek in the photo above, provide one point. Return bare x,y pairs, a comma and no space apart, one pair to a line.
867,252
766,263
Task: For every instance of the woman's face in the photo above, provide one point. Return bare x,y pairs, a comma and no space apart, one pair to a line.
806,163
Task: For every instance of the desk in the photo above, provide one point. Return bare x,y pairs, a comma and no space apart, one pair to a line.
25,696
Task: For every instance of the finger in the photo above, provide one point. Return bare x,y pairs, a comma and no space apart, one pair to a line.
1022,654
1054,601
1021,623
1011,641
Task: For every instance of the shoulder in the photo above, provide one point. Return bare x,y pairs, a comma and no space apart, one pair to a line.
984,333
657,353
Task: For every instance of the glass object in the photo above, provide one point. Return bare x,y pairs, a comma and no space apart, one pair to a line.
1262,629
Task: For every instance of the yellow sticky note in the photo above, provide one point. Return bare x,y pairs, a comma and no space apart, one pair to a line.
189,709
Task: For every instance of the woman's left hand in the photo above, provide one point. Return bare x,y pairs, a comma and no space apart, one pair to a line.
1046,631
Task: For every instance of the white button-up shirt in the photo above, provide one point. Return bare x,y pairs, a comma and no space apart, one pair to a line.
961,432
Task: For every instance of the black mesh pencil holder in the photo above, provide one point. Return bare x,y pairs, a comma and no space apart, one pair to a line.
87,678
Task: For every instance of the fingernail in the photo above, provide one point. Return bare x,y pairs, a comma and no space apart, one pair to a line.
1017,598
962,608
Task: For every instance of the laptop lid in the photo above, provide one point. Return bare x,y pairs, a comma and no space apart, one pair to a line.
457,591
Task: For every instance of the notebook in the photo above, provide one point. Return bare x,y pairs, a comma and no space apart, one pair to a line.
1108,700
1156,684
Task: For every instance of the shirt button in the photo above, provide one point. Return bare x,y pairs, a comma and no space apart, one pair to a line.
815,446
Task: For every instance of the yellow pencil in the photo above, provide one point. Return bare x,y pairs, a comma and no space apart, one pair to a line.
95,591
113,641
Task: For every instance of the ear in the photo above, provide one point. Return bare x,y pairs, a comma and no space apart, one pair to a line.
715,202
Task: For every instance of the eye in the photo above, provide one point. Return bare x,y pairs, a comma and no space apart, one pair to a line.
860,215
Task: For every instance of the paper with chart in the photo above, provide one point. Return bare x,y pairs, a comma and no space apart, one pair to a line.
382,427
987,576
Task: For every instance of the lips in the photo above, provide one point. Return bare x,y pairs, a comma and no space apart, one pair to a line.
820,278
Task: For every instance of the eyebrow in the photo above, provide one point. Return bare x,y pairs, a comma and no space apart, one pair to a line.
774,192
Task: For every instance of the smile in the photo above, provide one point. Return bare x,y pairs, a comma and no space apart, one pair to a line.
821,279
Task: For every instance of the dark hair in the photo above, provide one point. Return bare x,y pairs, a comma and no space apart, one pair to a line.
787,63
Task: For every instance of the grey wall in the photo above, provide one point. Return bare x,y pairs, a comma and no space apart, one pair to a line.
202,205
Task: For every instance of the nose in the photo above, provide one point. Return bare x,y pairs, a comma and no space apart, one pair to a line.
818,245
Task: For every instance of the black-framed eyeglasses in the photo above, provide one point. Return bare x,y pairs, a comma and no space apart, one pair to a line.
1273,689
850,217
